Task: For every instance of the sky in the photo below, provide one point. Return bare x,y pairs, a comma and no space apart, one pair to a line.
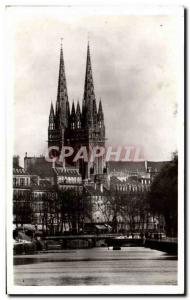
135,64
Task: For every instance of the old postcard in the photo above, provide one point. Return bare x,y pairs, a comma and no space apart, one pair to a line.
95,127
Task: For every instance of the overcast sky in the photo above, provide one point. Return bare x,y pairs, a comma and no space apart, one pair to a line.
135,67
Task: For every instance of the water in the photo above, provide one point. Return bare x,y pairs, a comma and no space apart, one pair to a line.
97,266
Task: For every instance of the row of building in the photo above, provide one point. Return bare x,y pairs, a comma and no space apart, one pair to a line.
40,181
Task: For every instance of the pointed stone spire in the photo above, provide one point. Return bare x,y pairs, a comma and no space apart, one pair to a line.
62,96
73,116
73,109
51,117
78,116
89,95
78,113
51,110
89,85
100,112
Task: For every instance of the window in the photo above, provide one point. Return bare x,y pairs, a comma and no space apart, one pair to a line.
21,181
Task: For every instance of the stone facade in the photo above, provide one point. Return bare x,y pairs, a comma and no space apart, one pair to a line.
78,127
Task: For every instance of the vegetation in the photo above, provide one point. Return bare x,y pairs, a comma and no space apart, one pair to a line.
163,195
22,209
67,212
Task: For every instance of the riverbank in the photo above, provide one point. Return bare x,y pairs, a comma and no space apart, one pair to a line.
83,242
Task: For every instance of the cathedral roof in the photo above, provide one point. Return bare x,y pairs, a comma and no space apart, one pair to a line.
126,166
135,166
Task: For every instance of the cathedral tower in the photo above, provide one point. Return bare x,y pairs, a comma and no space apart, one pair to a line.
79,127
56,131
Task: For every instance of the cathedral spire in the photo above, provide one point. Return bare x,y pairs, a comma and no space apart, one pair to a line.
51,110
89,85
73,109
100,112
51,117
78,115
62,96
89,95
78,109
73,116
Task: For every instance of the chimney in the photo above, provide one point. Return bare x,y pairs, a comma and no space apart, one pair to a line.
146,167
16,159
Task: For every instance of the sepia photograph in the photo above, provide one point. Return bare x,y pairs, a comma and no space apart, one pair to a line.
95,192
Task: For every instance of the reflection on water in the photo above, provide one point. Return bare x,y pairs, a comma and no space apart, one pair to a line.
97,266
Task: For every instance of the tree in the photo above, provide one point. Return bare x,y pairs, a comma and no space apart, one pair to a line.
22,208
71,209
126,211
163,195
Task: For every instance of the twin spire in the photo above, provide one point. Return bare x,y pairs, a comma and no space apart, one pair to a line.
89,94
89,116
62,85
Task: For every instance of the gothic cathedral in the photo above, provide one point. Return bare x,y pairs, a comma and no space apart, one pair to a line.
78,127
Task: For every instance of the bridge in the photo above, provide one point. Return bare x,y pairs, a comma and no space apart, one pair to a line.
113,240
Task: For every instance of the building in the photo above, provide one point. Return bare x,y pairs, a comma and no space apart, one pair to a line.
35,191
55,175
39,166
68,179
131,185
22,180
125,169
79,127
115,189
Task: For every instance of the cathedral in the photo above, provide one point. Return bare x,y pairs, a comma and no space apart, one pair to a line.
99,179
79,126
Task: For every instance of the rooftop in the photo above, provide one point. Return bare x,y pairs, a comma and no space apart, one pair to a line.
20,171
70,172
135,166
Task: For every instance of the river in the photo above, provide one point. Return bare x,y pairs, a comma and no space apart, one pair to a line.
96,266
